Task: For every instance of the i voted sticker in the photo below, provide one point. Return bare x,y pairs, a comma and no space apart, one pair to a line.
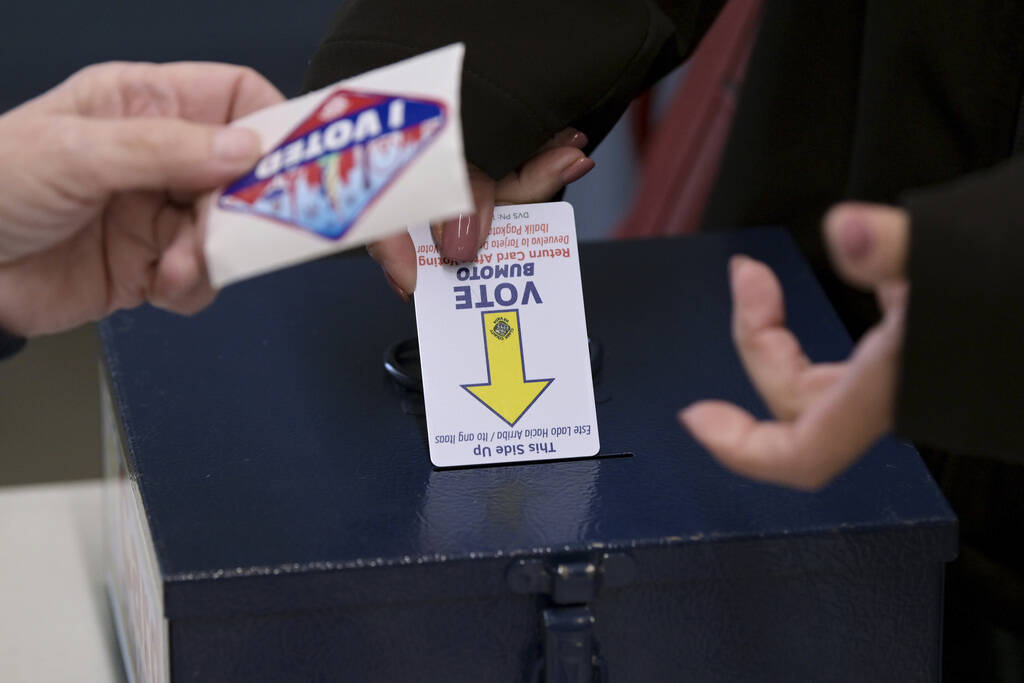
344,166
325,173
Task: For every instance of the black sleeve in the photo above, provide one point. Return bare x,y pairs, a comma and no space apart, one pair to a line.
532,67
962,380
9,344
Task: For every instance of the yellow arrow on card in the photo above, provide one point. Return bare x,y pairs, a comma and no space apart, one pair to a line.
506,392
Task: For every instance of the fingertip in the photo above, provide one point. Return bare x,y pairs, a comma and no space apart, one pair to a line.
756,293
706,418
181,284
401,277
567,137
552,167
743,269
691,415
867,243
395,287
178,273
693,418
848,231
577,139
397,258
180,267
460,237
576,169
185,295
198,299
737,261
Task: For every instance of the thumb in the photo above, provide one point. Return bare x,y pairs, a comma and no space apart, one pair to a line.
867,242
111,155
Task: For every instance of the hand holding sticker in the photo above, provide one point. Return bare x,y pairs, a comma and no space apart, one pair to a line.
344,166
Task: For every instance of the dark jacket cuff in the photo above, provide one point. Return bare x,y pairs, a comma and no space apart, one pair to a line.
532,68
961,385
9,344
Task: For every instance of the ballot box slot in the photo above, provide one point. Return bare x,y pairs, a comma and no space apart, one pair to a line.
402,363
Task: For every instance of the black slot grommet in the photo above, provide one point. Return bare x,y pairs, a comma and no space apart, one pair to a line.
402,363
596,355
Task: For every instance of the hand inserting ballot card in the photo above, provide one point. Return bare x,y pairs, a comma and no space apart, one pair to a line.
503,343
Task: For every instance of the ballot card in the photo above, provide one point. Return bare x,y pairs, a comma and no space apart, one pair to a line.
345,165
503,343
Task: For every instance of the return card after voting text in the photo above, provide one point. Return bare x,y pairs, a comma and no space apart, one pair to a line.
503,343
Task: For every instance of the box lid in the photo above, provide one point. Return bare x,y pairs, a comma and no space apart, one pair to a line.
279,469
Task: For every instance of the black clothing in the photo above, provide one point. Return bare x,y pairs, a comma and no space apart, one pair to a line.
962,384
532,68
858,99
9,344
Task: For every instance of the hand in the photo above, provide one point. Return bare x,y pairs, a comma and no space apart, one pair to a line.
558,163
827,414
99,186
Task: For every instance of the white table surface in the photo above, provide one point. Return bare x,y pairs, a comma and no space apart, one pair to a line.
55,624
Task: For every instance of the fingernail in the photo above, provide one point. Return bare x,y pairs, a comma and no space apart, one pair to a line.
578,140
394,286
855,240
236,144
459,238
577,170
570,137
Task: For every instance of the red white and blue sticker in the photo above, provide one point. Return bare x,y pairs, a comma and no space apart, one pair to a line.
327,171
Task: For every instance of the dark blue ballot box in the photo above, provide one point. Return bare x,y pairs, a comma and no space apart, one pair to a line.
274,515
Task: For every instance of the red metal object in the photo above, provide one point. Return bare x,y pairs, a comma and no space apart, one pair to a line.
680,159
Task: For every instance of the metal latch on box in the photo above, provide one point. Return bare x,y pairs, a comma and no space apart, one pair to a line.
571,654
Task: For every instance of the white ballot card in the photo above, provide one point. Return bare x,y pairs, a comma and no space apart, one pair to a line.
343,166
503,343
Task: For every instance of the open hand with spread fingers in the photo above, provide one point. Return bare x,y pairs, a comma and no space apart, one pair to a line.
826,414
